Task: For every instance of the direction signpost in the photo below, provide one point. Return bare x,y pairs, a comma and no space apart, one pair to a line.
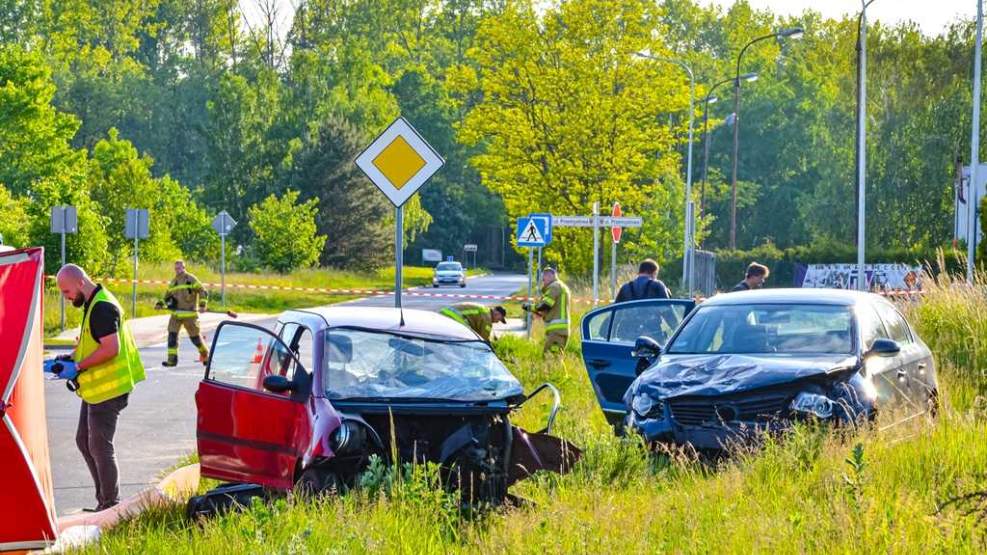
399,161
615,221
223,223
64,219
137,227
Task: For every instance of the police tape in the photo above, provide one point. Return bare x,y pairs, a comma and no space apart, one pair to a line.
406,292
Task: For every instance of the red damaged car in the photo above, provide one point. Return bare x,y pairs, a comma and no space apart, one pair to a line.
308,405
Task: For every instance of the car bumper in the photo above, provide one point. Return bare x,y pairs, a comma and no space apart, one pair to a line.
706,437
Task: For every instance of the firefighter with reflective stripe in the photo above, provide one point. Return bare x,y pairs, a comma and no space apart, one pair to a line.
476,317
109,366
553,308
185,298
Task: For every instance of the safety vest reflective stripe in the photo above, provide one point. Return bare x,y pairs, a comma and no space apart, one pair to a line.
548,301
183,287
116,376
454,314
184,313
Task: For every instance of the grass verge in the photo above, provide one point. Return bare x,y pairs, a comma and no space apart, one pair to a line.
879,490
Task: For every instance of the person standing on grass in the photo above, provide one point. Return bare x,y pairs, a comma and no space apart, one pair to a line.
754,278
645,286
109,366
553,308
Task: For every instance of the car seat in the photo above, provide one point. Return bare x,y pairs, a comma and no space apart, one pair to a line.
750,338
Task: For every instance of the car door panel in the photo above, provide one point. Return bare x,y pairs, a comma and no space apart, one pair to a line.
244,433
608,340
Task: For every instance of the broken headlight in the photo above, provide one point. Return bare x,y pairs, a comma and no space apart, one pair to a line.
646,407
819,406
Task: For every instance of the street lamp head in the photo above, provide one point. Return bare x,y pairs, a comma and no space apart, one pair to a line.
793,33
712,100
749,77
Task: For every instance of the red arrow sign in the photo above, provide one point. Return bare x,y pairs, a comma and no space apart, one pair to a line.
615,231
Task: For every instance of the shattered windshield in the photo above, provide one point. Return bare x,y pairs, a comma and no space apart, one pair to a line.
767,328
364,364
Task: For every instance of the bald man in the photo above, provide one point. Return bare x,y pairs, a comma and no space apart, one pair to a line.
109,366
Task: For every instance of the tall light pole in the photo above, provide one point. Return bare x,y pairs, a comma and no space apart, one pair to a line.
710,99
688,234
971,198
794,32
862,143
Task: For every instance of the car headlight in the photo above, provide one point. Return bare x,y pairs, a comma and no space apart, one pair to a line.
819,406
646,407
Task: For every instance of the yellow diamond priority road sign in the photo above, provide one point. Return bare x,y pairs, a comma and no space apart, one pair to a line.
399,161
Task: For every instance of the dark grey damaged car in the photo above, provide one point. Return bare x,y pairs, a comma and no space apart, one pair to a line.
746,363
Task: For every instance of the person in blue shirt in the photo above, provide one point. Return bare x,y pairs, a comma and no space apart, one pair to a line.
645,286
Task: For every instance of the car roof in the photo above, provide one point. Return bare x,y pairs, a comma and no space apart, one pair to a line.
842,297
416,322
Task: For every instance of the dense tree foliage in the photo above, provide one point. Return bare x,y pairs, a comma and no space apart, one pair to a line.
187,109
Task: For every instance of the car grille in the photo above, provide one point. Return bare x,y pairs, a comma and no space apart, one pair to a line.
760,408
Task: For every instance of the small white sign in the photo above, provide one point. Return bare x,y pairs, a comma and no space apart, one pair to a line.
604,221
399,161
469,247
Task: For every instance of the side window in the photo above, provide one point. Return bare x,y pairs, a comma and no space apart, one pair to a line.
243,355
871,327
897,327
599,325
300,344
654,321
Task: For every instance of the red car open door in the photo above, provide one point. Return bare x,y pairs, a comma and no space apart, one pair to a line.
245,432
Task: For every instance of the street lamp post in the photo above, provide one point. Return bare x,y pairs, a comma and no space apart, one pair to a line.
710,99
794,32
689,233
971,197
861,142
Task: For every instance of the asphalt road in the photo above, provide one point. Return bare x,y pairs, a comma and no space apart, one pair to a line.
157,428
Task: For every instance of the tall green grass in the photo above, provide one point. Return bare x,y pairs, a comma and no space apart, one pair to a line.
883,489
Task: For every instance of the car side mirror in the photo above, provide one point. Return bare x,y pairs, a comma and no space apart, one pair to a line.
884,348
277,384
646,347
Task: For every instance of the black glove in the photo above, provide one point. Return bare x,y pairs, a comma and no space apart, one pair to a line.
526,307
64,357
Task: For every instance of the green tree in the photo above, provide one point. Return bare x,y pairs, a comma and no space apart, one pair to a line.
568,117
13,225
285,234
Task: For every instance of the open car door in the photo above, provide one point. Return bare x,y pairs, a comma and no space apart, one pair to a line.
246,433
609,334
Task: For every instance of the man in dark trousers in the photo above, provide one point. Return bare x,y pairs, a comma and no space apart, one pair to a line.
754,279
108,366
645,286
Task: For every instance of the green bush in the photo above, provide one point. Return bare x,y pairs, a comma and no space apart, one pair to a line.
285,232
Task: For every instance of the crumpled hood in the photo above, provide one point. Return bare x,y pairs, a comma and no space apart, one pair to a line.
713,375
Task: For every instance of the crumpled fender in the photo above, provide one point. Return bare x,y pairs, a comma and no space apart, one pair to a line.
531,452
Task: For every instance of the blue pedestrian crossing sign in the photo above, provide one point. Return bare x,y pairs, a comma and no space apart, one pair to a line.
534,230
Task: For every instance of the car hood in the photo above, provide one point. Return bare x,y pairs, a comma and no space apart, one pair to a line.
713,375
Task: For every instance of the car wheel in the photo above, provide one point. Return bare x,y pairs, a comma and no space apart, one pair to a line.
315,482
932,404
435,285
462,284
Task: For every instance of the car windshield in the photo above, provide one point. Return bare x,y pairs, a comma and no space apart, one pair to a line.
364,364
448,267
766,328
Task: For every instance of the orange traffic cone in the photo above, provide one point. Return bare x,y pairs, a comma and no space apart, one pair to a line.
258,353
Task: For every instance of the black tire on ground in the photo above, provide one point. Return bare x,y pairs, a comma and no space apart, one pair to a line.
435,285
462,284
315,482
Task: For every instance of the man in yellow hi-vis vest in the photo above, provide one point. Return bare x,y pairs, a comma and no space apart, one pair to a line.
109,366
476,317
185,298
553,308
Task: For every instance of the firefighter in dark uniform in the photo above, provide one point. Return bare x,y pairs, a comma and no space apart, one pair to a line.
185,298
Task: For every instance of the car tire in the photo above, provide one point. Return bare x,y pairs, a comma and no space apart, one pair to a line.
435,285
315,482
462,284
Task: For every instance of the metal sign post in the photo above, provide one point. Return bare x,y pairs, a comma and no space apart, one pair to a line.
527,317
690,251
615,233
596,253
64,220
972,199
399,161
223,223
137,227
